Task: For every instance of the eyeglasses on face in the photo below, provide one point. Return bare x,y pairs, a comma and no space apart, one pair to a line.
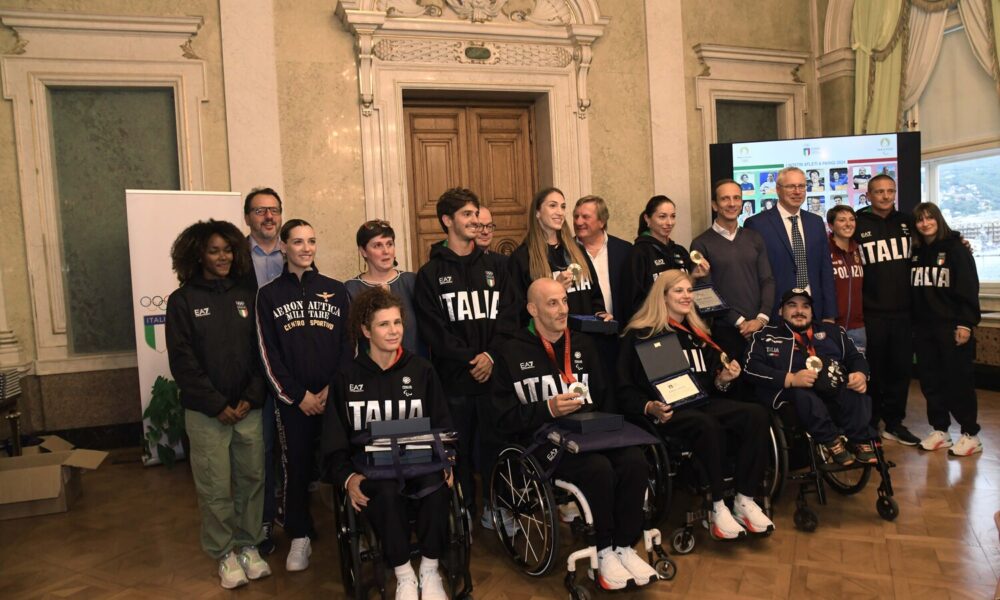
793,186
260,211
487,227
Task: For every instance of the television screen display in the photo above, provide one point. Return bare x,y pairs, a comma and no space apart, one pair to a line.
837,169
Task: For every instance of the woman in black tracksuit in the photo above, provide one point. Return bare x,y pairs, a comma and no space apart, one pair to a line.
548,251
303,343
384,383
653,253
213,357
945,288
708,427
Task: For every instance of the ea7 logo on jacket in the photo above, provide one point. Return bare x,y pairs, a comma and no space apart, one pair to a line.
444,280
202,312
527,365
540,389
357,387
470,305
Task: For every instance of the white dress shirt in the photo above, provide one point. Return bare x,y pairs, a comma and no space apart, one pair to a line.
788,228
600,261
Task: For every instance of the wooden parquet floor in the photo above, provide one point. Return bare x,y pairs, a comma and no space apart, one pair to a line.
134,534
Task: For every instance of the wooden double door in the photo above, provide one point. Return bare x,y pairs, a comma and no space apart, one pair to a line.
486,148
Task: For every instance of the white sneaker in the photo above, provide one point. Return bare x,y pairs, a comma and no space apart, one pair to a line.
431,586
231,574
298,555
750,515
936,440
569,512
406,587
723,526
967,446
611,573
641,572
253,565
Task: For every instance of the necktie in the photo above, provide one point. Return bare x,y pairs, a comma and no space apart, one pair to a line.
799,252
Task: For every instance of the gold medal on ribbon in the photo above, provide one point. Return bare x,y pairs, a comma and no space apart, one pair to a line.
814,363
696,258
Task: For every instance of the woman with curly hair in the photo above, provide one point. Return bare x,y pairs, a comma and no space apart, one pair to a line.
211,345
387,382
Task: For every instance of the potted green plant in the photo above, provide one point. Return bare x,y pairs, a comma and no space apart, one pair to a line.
166,421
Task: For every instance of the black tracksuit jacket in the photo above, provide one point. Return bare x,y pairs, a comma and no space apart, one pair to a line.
884,245
465,306
302,333
584,299
524,378
945,284
648,258
362,392
212,345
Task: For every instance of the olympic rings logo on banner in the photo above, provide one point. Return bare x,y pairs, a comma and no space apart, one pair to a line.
154,303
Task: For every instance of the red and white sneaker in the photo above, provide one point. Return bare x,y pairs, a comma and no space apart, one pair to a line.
967,446
936,441
722,525
611,573
751,516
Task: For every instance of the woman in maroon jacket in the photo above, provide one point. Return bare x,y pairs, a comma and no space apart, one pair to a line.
848,272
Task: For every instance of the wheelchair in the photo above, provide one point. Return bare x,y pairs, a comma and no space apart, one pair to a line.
802,459
527,521
671,465
363,568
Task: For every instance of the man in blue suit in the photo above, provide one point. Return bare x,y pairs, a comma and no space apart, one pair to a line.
797,245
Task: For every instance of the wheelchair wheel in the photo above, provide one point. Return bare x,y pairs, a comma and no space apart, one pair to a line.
660,486
805,519
777,468
666,569
458,547
524,514
887,508
682,541
346,544
843,481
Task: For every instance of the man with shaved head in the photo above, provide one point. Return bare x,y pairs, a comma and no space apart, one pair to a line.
536,379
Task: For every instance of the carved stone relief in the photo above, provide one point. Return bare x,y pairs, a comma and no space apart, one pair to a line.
443,51
536,12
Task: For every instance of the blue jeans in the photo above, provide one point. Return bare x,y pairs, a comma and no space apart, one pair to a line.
859,338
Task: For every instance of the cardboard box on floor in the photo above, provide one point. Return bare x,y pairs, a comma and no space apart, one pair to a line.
45,480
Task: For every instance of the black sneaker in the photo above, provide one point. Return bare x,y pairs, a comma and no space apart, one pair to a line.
900,434
267,546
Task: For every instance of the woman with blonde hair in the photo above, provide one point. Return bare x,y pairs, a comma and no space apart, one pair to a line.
708,427
549,250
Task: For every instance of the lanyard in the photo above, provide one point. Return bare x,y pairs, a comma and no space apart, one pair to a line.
805,344
567,371
696,332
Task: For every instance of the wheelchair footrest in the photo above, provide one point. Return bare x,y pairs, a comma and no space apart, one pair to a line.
835,468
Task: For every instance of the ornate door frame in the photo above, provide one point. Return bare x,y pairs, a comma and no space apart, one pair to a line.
536,47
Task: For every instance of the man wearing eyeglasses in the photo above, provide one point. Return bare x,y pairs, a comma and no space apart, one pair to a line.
485,238
262,212
797,246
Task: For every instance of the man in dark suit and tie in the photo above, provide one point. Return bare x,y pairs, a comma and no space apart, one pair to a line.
797,245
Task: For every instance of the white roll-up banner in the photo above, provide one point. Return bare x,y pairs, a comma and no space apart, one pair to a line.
155,219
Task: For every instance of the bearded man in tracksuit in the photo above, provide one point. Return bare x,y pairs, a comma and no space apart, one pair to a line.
884,235
466,308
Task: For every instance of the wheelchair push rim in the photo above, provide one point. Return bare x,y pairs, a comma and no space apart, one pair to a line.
524,511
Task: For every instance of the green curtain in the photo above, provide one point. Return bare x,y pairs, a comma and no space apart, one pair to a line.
878,63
